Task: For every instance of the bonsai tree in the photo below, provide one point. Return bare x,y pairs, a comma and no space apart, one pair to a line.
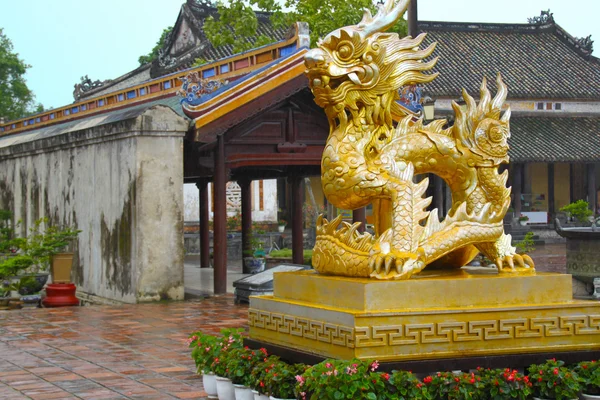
579,210
34,252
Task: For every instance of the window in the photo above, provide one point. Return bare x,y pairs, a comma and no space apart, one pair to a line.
558,106
540,106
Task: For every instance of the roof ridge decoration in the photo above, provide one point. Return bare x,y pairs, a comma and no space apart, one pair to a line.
545,17
194,87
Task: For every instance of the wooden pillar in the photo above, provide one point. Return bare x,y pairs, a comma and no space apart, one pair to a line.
297,221
448,200
246,186
527,181
220,218
412,19
202,186
438,194
517,173
360,215
591,185
551,211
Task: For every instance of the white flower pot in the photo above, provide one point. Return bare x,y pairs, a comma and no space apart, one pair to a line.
275,398
210,385
243,393
281,228
523,223
258,396
537,398
225,388
589,396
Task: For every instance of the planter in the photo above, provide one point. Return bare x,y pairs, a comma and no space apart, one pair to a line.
225,389
253,265
60,269
210,385
258,396
585,396
538,398
281,228
243,393
38,283
4,303
523,223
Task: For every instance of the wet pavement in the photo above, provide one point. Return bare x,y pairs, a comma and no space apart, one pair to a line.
128,351
108,352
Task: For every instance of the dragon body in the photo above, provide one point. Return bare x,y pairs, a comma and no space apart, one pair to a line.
375,148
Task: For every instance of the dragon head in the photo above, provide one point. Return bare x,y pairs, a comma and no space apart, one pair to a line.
480,128
359,68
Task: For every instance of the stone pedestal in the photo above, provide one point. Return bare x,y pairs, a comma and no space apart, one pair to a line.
435,315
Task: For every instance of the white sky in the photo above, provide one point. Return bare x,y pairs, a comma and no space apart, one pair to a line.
65,39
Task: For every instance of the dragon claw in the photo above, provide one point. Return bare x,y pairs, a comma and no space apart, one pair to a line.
396,264
515,263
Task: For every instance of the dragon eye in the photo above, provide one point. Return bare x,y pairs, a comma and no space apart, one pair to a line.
345,50
496,134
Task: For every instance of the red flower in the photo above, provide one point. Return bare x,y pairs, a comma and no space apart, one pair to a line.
385,376
427,380
555,371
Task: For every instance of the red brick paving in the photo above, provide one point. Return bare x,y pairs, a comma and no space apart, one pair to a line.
108,352
126,352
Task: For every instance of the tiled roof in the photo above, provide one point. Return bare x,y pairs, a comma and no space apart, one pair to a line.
554,139
194,13
536,61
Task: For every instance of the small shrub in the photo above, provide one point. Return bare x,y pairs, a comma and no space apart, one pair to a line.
551,380
589,376
526,245
579,210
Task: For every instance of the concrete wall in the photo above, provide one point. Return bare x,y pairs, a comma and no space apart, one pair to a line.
120,184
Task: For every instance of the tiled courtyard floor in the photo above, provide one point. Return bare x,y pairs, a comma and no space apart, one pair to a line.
125,352
108,352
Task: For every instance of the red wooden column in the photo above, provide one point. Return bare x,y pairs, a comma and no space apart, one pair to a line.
202,185
220,219
246,186
360,215
297,221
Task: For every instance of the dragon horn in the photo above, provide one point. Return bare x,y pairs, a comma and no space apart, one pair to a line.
500,95
387,15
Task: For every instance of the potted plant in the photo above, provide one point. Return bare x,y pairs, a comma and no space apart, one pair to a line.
281,380
523,220
203,349
450,386
403,385
259,375
504,384
589,377
240,363
579,210
340,379
4,297
551,380
254,258
229,340
281,225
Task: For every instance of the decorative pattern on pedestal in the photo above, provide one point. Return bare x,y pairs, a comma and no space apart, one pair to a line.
356,74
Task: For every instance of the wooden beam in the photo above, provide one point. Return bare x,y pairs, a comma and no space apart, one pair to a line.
220,219
297,221
551,210
360,215
246,186
202,185
517,178
591,186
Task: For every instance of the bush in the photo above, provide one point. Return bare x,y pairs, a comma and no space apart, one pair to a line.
241,362
551,380
589,376
501,384
580,210
287,253
448,386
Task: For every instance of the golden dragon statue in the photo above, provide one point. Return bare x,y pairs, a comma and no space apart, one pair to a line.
375,148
